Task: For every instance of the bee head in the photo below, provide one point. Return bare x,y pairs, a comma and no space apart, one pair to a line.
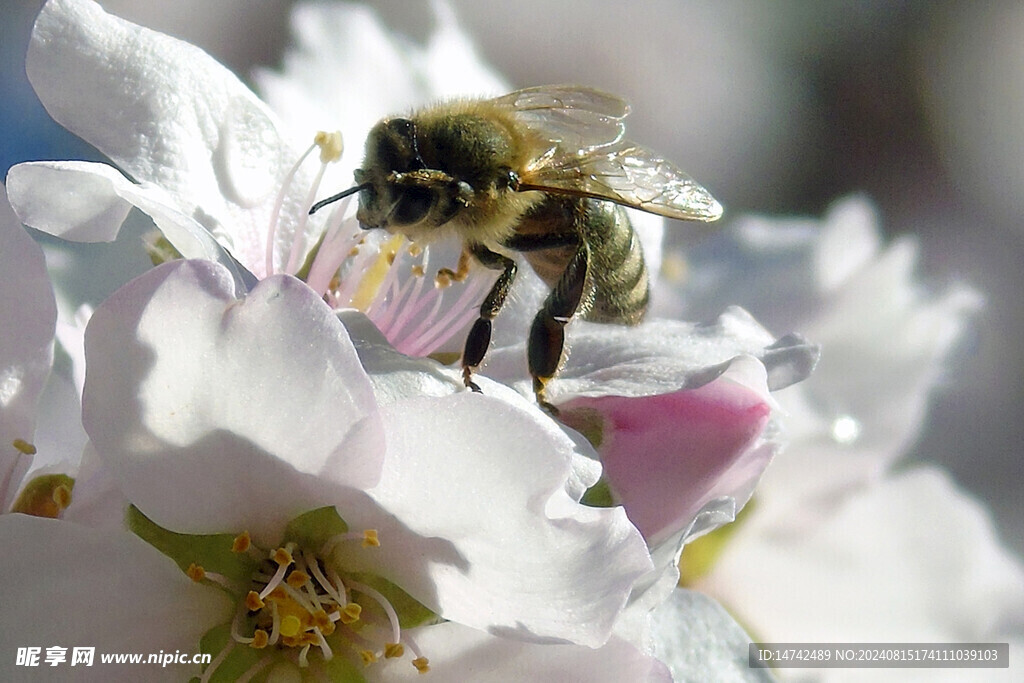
398,192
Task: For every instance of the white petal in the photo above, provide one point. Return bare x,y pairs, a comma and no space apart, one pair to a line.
458,653
699,641
884,333
60,437
28,314
450,62
909,560
344,73
168,114
849,244
187,384
397,377
492,479
657,357
88,202
885,341
76,201
97,499
67,585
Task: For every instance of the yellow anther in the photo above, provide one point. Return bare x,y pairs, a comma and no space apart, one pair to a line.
391,257
422,664
367,657
415,250
297,579
394,650
259,639
282,557
354,251
370,539
303,638
330,144
24,446
62,496
253,601
242,542
323,622
443,279
350,613
277,594
417,270
195,572
290,626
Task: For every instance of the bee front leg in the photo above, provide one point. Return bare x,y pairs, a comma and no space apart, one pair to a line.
547,333
479,338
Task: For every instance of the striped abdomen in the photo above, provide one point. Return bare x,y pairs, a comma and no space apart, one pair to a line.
617,287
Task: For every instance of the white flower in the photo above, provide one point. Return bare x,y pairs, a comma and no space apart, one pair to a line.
41,438
28,316
839,546
181,373
219,415
658,358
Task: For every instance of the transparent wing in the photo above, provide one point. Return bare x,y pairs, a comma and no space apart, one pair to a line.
569,118
625,173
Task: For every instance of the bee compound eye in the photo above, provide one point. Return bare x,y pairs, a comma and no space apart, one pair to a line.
413,205
401,126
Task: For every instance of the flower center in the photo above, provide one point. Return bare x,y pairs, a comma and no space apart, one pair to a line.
47,495
296,604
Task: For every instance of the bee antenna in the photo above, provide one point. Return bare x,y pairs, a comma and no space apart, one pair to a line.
341,195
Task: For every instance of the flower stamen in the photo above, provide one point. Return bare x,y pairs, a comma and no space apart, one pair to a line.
216,662
421,663
331,147
275,213
242,543
298,602
389,610
196,573
368,539
284,560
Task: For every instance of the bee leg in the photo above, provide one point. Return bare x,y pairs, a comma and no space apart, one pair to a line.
479,337
547,333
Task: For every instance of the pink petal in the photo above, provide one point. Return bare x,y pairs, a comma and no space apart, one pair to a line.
666,456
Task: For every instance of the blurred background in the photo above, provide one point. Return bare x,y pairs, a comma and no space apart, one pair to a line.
778,108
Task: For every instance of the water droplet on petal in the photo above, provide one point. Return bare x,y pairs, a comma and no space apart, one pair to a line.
845,429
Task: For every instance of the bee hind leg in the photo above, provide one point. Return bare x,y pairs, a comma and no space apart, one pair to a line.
479,338
546,344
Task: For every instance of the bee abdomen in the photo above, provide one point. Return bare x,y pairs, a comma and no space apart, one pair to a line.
617,270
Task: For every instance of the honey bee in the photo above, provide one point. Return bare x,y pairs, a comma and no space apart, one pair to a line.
543,172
